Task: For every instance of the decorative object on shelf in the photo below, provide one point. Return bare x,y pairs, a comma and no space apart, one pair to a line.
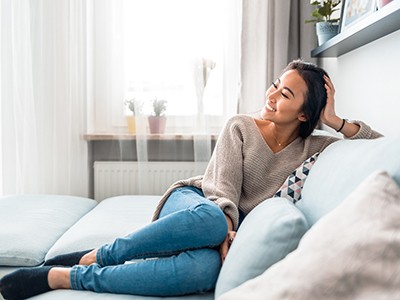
377,25
382,3
135,107
355,10
326,26
157,120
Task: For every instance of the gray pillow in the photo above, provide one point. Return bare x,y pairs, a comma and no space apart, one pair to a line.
268,233
30,225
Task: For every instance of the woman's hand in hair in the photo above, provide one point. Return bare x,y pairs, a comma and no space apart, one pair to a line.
328,114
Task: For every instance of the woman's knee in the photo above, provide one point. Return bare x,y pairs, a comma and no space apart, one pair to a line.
214,217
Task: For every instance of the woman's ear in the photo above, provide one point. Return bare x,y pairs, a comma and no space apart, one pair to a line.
302,117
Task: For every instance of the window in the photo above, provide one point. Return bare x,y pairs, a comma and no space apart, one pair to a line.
146,49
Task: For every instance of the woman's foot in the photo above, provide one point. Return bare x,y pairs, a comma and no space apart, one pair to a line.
25,283
69,259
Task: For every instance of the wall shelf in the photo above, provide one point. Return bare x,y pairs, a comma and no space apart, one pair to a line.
370,28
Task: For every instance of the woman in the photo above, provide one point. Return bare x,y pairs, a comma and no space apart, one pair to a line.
181,252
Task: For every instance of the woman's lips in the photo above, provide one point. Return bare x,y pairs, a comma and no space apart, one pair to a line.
268,107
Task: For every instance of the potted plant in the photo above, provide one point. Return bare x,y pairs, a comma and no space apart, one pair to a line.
157,119
326,26
134,107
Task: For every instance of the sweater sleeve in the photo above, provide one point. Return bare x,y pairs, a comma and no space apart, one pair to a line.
222,182
365,132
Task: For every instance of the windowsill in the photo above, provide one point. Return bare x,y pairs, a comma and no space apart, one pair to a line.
151,137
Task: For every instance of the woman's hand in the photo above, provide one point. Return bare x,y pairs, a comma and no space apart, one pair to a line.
328,114
226,244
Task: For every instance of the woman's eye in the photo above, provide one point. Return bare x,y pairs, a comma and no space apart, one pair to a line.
274,85
285,96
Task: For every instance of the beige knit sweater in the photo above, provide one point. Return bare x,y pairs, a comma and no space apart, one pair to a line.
243,171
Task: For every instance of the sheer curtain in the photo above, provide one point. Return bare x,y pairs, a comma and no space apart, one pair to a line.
273,34
43,97
186,52
67,68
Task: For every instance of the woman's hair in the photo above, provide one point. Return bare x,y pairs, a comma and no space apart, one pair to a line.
315,97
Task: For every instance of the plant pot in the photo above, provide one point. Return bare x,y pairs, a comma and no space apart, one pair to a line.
131,120
326,31
157,124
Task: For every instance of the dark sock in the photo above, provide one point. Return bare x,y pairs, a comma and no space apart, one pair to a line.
25,283
69,259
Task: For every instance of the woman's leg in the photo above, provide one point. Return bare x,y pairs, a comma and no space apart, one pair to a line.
188,221
188,272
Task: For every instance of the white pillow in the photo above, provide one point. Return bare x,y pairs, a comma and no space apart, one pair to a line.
30,225
351,253
112,218
268,233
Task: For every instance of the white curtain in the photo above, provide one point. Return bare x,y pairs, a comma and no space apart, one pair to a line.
273,34
43,97
65,70
141,47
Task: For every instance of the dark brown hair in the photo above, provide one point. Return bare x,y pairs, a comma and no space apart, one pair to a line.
315,97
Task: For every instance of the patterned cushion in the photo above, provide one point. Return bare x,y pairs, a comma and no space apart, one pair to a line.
293,185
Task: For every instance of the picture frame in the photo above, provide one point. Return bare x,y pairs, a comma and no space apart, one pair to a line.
341,15
355,10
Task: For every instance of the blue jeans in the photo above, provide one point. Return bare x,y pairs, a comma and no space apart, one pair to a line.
175,255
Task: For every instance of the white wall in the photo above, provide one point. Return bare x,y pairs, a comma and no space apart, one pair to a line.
367,83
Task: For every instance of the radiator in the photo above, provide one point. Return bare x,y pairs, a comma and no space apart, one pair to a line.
113,178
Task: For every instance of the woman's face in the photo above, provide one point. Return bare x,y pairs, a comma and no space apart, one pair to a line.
284,99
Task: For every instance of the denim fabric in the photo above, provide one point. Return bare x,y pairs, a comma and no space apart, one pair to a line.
175,255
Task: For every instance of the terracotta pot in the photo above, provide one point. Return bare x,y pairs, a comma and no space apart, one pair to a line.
157,124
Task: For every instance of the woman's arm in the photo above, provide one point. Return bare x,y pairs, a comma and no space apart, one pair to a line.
329,117
222,182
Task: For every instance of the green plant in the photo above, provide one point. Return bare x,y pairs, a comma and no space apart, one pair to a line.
159,107
135,106
324,10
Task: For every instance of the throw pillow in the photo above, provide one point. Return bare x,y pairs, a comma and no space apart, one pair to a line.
268,233
293,185
341,167
351,253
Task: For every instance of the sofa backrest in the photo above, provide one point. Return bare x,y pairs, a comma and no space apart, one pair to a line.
341,168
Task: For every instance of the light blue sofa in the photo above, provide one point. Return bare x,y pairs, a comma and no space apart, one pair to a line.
35,228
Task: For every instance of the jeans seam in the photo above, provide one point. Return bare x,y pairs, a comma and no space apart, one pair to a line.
73,279
99,257
169,253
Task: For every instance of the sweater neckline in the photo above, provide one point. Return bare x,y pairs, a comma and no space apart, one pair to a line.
264,142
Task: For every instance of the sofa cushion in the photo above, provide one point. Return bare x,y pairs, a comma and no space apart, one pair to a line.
30,225
113,217
351,253
268,233
341,167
